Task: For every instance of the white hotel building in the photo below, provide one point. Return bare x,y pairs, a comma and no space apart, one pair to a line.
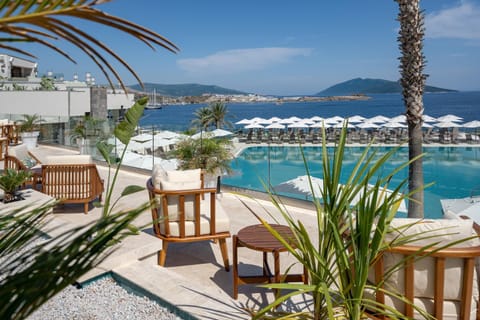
21,93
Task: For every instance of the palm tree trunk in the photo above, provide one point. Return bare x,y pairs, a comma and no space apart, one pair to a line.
415,171
413,83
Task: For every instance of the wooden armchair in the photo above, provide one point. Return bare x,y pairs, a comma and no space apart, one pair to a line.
444,283
184,211
72,179
19,158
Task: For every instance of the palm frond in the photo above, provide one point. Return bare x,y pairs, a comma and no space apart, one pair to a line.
36,21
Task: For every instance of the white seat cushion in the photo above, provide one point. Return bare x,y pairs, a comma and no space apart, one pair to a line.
183,175
69,159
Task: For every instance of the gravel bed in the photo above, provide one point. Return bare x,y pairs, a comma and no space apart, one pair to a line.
102,299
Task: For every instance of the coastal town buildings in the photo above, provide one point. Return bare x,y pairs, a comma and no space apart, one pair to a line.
54,98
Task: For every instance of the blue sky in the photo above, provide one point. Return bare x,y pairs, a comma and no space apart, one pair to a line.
285,47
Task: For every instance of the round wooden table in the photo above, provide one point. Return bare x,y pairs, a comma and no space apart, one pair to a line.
258,238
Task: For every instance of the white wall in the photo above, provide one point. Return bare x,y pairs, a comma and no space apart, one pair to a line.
55,103
116,100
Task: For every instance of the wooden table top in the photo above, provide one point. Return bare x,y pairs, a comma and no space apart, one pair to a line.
257,237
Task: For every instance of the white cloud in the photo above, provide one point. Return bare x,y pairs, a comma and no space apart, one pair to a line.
238,60
462,22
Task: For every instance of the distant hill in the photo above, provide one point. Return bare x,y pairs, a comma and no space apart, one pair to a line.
369,86
182,90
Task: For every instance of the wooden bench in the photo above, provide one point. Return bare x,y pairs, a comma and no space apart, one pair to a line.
72,179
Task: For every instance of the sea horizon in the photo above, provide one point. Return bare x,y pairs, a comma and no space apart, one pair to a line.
465,104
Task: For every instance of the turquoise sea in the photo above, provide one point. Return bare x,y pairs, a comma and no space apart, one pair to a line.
455,171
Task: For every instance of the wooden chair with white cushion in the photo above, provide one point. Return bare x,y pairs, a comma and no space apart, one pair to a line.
72,179
441,281
184,211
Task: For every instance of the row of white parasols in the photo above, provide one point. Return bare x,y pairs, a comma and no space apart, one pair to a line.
447,121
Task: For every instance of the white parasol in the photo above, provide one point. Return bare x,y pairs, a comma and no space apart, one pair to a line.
298,125
427,118
450,118
244,121
316,118
400,118
253,126
469,207
275,125
341,125
378,119
301,185
393,125
217,133
355,119
472,124
368,125
447,124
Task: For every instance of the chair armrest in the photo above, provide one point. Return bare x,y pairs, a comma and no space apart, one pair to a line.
14,163
34,157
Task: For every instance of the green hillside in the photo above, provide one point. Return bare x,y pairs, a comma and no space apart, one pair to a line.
182,90
370,86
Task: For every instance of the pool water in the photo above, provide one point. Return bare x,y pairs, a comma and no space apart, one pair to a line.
455,171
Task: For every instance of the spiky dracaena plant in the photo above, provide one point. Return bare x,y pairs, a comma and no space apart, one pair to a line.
347,241
412,63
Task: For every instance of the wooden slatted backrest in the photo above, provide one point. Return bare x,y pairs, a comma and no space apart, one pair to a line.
162,198
12,162
413,254
71,181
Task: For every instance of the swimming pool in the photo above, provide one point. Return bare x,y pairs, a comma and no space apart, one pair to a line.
455,171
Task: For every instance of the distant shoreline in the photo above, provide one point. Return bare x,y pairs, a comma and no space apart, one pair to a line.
328,98
251,98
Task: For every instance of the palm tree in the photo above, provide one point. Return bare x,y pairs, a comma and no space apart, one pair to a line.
219,114
413,82
44,23
202,118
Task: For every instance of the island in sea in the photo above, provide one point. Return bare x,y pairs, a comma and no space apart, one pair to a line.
351,90
371,86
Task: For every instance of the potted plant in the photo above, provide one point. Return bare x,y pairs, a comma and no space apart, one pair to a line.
213,156
10,181
87,133
79,135
29,130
